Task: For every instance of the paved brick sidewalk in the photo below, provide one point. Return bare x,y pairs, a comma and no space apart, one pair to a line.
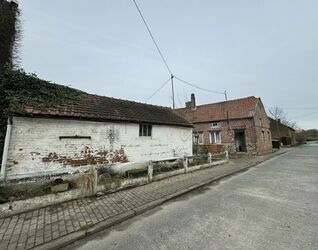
33,229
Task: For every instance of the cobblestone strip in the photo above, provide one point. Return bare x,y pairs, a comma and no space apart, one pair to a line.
30,229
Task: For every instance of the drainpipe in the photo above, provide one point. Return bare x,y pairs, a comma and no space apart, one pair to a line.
6,150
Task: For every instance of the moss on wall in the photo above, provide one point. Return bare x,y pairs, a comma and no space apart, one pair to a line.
20,89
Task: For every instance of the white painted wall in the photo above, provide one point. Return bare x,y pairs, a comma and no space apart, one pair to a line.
33,139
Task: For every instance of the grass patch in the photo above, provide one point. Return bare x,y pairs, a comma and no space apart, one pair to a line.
135,173
164,167
22,191
25,190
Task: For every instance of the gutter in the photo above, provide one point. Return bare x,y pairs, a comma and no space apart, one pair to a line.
6,149
222,120
111,119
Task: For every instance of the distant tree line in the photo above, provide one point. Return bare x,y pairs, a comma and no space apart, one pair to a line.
307,135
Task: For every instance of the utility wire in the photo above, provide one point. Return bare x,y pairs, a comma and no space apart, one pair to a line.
294,108
166,64
158,89
302,108
198,87
152,37
300,116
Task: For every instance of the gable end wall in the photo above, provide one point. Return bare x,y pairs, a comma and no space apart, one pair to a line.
262,125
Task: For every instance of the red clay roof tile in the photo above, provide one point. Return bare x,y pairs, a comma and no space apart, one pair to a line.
103,108
238,108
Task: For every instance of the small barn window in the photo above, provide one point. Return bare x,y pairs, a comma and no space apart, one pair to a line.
215,124
145,130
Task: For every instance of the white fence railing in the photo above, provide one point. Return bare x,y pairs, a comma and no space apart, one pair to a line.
185,164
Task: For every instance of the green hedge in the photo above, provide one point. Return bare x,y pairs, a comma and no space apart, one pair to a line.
286,141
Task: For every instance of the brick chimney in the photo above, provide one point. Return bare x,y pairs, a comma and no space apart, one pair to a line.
191,104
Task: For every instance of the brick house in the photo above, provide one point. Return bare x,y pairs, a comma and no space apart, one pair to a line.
90,130
239,125
282,133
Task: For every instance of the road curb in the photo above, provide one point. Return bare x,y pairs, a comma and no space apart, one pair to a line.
62,241
75,236
110,222
149,206
72,237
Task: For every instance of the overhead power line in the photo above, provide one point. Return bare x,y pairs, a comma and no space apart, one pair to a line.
304,115
158,89
302,108
152,37
198,87
167,66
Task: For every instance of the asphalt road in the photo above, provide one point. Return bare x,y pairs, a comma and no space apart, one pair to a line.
271,206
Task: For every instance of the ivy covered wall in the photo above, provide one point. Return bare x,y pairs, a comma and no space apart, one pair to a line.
20,89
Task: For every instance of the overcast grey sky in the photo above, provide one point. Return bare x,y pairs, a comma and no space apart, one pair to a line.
267,48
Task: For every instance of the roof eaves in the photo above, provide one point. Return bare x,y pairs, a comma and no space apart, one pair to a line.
100,119
225,119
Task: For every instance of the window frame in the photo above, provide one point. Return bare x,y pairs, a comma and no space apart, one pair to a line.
196,138
215,126
214,135
145,130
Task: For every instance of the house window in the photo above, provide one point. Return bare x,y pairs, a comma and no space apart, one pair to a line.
260,122
215,137
145,130
198,138
269,135
215,124
263,134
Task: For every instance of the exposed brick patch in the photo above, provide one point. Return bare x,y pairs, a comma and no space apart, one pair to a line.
88,156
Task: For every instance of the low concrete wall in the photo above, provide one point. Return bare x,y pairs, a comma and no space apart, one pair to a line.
113,186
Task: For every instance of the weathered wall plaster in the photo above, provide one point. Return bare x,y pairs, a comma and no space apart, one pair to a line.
36,149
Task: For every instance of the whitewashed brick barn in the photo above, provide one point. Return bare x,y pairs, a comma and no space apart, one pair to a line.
94,130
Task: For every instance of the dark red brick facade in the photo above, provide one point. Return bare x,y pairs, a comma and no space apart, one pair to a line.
282,132
254,128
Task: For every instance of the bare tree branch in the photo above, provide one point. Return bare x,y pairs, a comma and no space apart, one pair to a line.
279,114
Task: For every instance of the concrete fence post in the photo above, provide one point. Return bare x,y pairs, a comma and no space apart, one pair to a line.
95,181
150,171
185,164
227,155
210,157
